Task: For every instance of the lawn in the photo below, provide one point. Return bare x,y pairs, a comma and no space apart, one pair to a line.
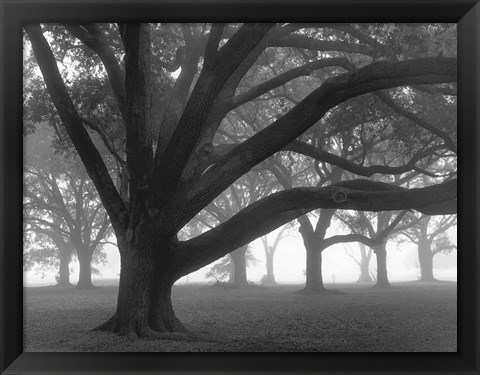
408,317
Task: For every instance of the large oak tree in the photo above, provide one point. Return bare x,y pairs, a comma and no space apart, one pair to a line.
172,175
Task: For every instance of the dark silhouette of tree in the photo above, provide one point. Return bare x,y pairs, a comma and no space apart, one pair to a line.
173,177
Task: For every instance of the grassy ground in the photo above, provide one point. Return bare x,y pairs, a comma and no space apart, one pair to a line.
407,317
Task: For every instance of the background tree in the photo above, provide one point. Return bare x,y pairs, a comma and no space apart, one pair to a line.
431,237
270,250
363,263
172,178
61,203
243,192
48,249
226,268
381,226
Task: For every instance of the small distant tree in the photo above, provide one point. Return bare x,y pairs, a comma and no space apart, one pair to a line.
243,192
47,250
385,225
363,262
269,278
431,237
62,207
232,268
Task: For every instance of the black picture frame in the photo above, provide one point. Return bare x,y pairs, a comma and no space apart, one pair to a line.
15,13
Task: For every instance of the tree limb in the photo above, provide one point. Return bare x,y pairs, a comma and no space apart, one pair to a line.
138,127
334,91
301,41
169,167
283,78
269,213
95,40
74,125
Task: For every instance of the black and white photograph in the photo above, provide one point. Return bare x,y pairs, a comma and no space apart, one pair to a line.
255,187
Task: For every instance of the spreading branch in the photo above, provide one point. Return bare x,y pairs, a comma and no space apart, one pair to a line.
305,114
269,213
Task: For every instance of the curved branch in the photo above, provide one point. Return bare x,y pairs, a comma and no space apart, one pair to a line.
417,120
94,39
170,165
48,224
283,78
353,237
335,90
269,213
360,170
105,140
377,47
301,41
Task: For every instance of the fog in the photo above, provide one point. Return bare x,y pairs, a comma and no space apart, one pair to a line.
290,260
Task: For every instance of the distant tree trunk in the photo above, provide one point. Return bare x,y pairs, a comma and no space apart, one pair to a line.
84,261
239,267
270,277
64,267
313,240
382,276
425,259
65,250
364,265
314,277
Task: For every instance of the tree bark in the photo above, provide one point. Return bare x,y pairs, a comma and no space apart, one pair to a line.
85,274
239,267
64,267
382,276
364,266
270,276
144,305
425,259
314,277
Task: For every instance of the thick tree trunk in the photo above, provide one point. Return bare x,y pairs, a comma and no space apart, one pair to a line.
382,276
85,272
64,268
144,305
364,266
425,259
270,277
239,267
314,278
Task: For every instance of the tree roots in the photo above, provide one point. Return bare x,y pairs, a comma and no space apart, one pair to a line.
145,332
